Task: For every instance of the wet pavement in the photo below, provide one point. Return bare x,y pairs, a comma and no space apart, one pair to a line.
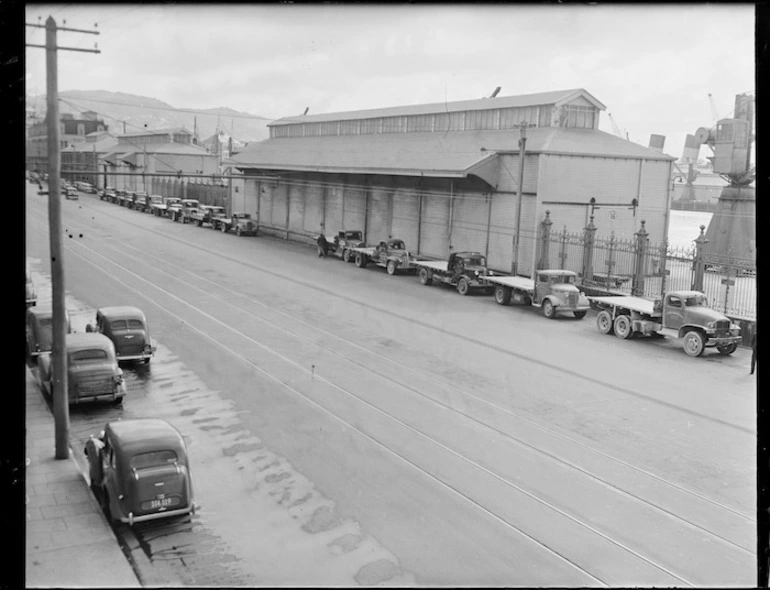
68,540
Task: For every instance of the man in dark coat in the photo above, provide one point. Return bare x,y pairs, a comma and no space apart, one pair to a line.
753,349
323,246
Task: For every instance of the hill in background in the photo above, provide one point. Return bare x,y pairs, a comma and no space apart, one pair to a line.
130,113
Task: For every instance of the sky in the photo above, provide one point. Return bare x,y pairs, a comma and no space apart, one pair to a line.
652,65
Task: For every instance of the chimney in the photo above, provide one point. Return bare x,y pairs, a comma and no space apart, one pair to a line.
657,142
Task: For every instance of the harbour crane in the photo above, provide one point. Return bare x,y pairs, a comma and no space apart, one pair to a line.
615,128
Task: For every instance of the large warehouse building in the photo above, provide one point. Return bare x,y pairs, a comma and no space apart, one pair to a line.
445,176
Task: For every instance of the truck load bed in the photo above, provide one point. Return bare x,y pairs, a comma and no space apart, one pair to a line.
521,283
439,265
368,250
633,303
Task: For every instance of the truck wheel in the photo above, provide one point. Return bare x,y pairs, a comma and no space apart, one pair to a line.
727,349
549,310
425,277
463,287
502,295
360,260
579,314
604,322
200,223
238,231
693,343
223,227
346,256
391,267
623,327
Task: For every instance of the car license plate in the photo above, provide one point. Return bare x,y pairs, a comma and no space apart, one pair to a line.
162,503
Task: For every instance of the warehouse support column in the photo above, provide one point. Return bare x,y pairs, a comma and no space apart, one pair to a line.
451,213
419,213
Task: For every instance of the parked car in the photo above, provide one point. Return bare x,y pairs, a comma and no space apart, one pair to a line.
127,328
154,204
242,223
85,187
139,201
139,471
31,291
92,370
39,328
107,194
70,193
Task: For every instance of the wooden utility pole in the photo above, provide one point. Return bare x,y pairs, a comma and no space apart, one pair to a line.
517,238
58,349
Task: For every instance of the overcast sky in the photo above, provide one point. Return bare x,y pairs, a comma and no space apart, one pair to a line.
652,65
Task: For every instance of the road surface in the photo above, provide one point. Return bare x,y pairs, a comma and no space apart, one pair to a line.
350,427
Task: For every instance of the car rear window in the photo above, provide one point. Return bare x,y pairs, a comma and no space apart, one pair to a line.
153,459
95,354
135,324
118,325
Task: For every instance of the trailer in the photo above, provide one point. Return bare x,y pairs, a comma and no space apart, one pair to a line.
683,315
555,291
391,255
465,271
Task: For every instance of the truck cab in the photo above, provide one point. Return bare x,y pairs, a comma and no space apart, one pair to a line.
344,240
189,206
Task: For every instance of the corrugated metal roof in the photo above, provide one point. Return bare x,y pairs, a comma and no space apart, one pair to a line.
453,154
524,100
166,130
168,148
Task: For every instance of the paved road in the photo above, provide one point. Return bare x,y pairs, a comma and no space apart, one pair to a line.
350,427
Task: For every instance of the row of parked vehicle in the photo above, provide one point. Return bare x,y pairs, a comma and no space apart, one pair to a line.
139,469
684,315
182,210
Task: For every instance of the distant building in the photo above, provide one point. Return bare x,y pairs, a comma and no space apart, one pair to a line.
72,131
155,151
80,161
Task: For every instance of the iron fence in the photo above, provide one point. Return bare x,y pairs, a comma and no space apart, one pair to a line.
637,267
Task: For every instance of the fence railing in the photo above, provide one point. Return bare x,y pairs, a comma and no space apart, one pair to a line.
637,267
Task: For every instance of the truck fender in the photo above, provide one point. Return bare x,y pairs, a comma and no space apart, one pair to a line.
688,327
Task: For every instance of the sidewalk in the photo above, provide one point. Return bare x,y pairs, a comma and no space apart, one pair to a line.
68,540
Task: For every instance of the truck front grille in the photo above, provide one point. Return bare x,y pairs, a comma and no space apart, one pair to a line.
572,299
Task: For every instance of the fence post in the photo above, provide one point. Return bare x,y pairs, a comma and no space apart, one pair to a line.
589,233
563,250
610,262
727,281
640,264
698,264
545,237
663,267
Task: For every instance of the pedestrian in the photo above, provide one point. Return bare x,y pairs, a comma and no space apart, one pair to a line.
323,246
753,349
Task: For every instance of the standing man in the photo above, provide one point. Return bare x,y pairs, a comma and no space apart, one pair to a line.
323,245
753,348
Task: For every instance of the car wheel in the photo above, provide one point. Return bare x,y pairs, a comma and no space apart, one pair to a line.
604,322
580,314
727,349
346,256
463,287
391,267
502,295
693,343
623,328
549,310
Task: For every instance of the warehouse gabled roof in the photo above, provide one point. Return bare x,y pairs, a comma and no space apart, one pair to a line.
557,98
453,154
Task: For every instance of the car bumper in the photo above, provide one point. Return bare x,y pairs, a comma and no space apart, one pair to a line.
88,398
131,519
135,357
723,341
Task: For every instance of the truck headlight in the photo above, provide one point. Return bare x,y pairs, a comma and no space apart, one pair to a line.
476,273
711,325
